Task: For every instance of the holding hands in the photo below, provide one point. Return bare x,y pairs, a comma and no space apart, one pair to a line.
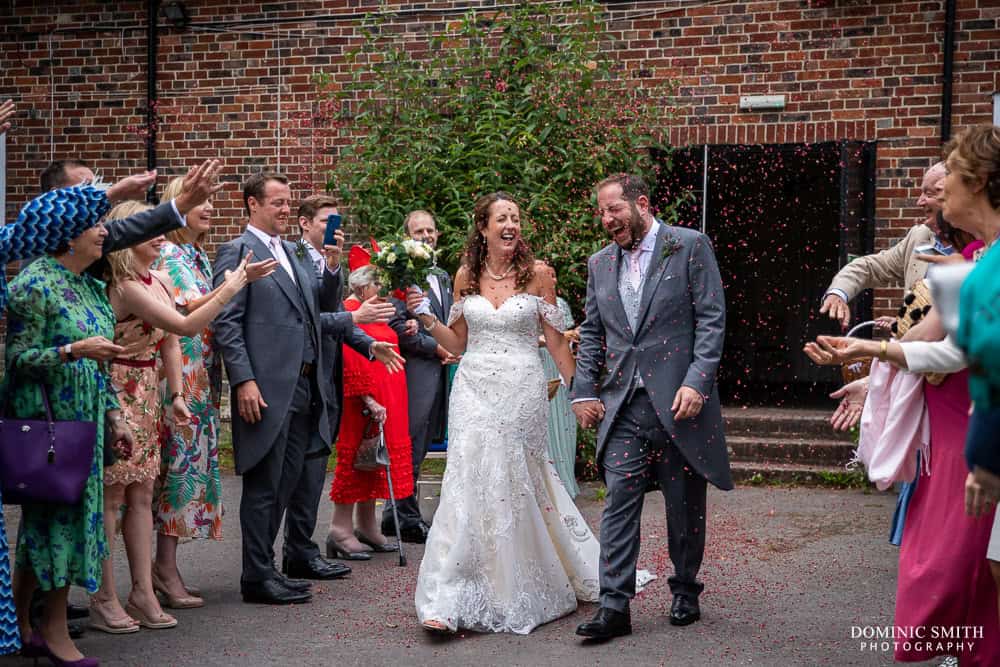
588,413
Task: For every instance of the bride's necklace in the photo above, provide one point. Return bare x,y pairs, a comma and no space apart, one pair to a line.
495,276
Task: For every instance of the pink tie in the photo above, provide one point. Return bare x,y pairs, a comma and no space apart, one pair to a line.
634,273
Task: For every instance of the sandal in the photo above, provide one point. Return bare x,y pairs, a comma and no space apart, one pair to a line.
118,626
436,628
161,622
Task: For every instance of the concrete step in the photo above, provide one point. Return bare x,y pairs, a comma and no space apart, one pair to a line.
766,423
748,472
790,450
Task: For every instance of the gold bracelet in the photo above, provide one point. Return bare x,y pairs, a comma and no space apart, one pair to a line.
883,349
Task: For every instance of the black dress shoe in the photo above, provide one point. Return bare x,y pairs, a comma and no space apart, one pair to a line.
76,628
684,610
272,592
606,624
318,568
297,585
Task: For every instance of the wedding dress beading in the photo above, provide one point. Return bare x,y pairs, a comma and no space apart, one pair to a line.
508,549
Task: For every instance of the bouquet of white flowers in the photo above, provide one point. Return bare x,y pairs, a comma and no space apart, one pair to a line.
401,263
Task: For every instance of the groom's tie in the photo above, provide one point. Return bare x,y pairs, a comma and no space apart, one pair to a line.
634,268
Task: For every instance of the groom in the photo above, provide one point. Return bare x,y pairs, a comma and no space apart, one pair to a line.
649,351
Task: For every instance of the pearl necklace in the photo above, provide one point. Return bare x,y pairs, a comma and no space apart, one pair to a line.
495,276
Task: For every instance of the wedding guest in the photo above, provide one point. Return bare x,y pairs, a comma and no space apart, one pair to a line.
145,314
187,501
59,327
271,341
562,422
944,582
370,392
301,557
427,365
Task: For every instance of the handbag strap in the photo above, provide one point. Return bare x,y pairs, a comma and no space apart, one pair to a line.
4,407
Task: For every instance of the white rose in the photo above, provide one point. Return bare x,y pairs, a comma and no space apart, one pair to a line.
390,258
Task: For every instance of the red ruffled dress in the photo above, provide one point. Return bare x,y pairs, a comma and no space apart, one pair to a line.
363,377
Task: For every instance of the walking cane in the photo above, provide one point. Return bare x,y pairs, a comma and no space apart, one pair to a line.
392,498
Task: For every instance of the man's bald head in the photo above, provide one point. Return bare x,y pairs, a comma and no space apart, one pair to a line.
931,189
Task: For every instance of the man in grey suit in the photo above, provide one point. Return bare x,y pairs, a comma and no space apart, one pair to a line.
270,337
426,381
301,557
649,351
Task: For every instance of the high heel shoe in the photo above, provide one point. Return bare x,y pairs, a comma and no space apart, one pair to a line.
121,626
193,591
39,649
163,622
188,601
384,548
334,550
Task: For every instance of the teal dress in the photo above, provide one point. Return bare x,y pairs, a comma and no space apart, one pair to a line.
562,422
49,307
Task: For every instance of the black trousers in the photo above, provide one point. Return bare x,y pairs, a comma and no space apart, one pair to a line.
269,485
639,452
300,516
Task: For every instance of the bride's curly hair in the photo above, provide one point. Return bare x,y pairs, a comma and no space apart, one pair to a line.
474,257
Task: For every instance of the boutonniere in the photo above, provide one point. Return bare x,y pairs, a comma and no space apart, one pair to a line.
670,246
300,249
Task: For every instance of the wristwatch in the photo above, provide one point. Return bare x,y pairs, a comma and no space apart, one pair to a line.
67,349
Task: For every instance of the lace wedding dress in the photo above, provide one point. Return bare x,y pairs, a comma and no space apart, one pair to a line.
508,549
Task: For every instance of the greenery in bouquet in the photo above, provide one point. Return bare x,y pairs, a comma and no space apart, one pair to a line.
402,262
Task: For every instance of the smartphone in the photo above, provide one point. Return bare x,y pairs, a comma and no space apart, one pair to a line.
332,225
928,249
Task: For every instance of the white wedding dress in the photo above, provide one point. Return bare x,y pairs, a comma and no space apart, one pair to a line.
508,549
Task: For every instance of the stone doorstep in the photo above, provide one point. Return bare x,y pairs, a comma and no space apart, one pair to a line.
785,473
790,450
767,423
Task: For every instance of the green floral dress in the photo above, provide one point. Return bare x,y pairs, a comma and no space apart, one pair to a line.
49,307
188,498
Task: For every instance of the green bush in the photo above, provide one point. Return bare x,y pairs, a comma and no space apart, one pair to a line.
521,100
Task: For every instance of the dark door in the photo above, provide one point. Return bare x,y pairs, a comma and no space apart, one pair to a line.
783,219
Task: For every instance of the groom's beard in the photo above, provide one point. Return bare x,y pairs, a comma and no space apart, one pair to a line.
635,228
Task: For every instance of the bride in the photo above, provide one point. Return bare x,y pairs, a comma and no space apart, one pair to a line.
508,549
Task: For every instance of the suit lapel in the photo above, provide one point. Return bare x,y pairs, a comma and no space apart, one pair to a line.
654,272
614,257
436,306
305,277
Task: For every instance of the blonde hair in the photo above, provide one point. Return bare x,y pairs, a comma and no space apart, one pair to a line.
120,261
173,190
975,153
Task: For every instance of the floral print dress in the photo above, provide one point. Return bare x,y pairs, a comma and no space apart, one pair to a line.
188,499
49,307
135,375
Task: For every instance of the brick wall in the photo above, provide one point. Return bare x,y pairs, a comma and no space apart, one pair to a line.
849,69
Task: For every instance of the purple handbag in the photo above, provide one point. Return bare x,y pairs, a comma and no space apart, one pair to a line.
44,461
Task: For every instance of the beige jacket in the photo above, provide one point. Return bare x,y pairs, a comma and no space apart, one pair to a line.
893,266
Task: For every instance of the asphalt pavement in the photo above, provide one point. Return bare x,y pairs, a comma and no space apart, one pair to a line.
791,575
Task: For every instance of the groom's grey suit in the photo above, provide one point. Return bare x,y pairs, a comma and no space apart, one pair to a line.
637,348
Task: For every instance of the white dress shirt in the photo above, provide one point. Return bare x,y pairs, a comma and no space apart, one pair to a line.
274,244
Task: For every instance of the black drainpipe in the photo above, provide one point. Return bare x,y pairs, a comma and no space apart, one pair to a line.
152,48
949,67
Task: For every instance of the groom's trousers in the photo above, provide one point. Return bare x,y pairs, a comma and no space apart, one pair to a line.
639,451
